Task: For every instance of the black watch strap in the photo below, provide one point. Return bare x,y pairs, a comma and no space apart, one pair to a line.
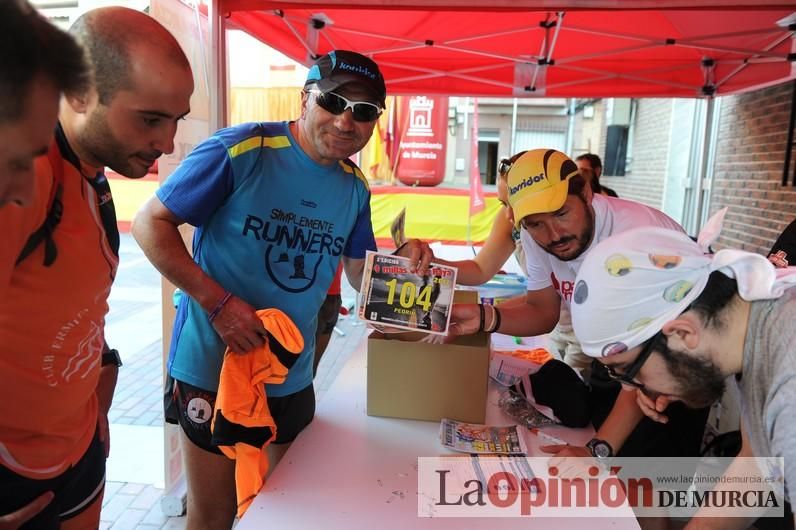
600,448
111,357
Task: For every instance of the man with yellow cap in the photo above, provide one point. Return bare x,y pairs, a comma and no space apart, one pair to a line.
560,220
673,323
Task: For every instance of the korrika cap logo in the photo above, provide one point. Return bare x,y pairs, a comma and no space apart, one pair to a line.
528,182
539,169
538,182
339,67
357,69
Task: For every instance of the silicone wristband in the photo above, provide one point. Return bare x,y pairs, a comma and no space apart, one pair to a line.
219,306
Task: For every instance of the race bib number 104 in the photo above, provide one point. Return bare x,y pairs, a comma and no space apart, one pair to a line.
393,296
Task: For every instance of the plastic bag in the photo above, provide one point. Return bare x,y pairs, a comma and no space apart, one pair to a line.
518,408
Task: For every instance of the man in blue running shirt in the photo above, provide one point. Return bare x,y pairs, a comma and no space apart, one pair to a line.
276,206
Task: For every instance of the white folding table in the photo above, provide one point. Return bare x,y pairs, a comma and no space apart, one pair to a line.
349,471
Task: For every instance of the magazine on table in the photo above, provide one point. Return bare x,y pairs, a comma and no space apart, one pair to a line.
393,296
481,439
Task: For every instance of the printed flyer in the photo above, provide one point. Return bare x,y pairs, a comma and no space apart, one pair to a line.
481,439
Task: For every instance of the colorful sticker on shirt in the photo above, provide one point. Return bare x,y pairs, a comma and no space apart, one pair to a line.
677,291
581,292
665,262
614,348
779,258
640,323
618,265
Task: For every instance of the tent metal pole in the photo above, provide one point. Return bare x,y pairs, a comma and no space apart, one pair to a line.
492,34
396,38
726,49
313,36
436,71
570,142
746,62
632,77
298,36
595,55
466,120
559,22
407,48
580,82
218,66
686,43
753,60
513,127
663,69
716,36
429,73
481,80
481,54
703,184
604,33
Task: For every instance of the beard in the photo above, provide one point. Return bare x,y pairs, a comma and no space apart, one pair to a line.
581,239
99,141
700,381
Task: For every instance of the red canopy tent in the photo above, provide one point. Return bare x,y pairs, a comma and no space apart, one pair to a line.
520,48
532,48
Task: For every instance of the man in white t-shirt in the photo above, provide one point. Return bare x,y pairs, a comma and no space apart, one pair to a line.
561,220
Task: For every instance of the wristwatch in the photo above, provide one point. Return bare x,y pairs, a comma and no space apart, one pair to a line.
111,357
600,448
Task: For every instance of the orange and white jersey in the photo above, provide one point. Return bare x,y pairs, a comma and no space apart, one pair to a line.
51,323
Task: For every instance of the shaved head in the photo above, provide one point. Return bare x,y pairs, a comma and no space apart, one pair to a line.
142,88
112,36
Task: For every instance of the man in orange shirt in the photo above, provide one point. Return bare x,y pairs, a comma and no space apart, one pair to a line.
56,374
38,62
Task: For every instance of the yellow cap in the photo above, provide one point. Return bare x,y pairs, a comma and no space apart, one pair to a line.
538,182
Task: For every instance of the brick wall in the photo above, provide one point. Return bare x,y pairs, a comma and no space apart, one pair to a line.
750,156
645,178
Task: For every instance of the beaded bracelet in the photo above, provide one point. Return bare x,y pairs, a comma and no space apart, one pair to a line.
219,306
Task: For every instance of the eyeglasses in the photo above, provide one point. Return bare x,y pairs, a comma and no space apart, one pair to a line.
336,104
628,377
505,164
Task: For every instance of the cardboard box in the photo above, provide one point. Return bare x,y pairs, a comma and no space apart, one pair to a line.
421,381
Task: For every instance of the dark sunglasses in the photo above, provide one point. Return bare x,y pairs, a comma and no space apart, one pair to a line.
336,104
505,163
629,377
